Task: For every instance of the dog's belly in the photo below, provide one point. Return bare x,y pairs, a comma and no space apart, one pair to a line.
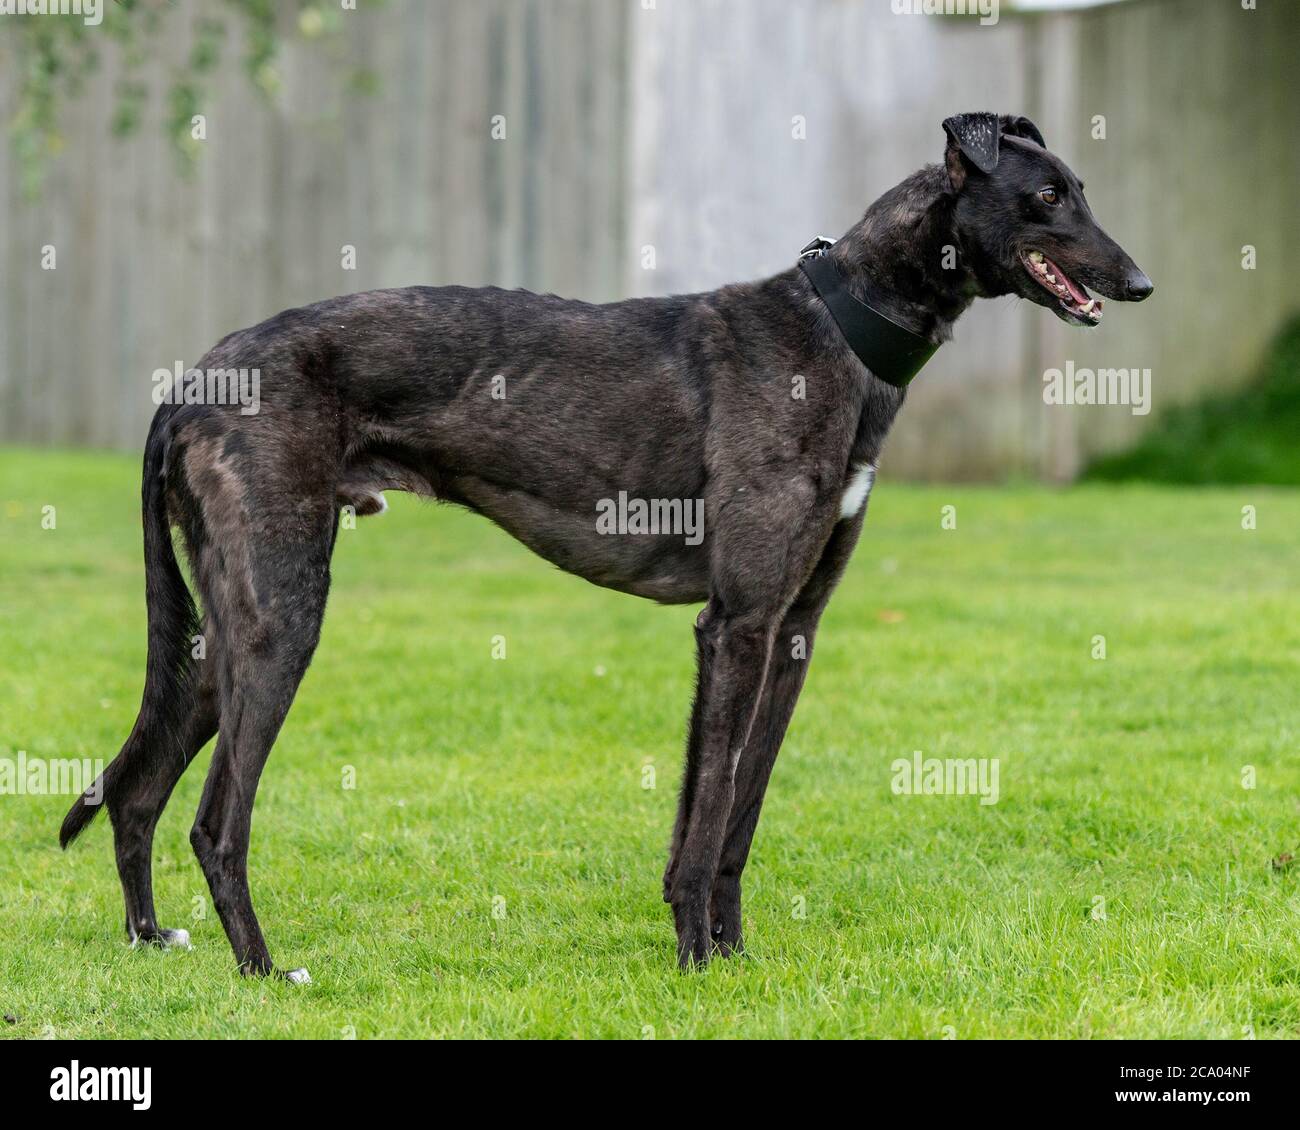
649,547
637,542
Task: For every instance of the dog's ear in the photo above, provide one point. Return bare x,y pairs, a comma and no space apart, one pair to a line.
1016,125
972,138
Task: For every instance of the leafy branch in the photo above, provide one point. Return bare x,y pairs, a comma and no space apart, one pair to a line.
52,56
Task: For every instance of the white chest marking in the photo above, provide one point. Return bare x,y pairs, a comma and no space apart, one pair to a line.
855,494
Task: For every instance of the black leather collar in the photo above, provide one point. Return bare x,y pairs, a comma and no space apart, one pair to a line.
893,353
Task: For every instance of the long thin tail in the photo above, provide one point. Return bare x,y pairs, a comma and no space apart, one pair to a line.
173,620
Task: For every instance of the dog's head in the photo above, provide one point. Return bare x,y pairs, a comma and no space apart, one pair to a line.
1024,225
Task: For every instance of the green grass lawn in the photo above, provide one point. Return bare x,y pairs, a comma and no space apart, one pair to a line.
495,870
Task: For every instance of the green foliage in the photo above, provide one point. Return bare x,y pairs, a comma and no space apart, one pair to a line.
53,55
522,779
1251,435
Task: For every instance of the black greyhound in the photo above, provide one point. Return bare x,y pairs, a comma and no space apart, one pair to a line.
535,411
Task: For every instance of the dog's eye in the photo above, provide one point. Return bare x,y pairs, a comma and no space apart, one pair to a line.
1048,195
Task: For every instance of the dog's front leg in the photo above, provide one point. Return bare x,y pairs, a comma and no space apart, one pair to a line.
766,544
734,652
785,678
787,668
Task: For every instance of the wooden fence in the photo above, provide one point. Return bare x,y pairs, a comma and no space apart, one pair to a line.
663,146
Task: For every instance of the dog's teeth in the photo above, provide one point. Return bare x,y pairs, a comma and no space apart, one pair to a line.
1051,278
1087,306
1035,256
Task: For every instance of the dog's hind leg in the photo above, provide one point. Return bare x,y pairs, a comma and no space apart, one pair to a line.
262,567
177,712
138,801
268,645
791,654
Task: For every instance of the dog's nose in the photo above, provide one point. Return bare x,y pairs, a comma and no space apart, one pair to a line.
1137,287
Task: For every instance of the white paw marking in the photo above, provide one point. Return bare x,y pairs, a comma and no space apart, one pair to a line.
383,502
855,494
168,939
299,976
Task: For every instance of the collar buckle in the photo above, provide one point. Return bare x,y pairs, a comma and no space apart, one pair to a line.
819,246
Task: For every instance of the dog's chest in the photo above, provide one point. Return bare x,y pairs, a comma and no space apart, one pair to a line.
857,488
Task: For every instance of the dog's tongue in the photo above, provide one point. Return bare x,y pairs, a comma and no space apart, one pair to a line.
1079,296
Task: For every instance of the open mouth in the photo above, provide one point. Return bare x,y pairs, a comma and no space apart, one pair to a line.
1073,299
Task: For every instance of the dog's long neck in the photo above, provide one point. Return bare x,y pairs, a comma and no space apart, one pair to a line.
904,257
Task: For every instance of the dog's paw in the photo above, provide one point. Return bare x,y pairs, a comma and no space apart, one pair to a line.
724,916
163,939
297,976
694,938
694,948
728,939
